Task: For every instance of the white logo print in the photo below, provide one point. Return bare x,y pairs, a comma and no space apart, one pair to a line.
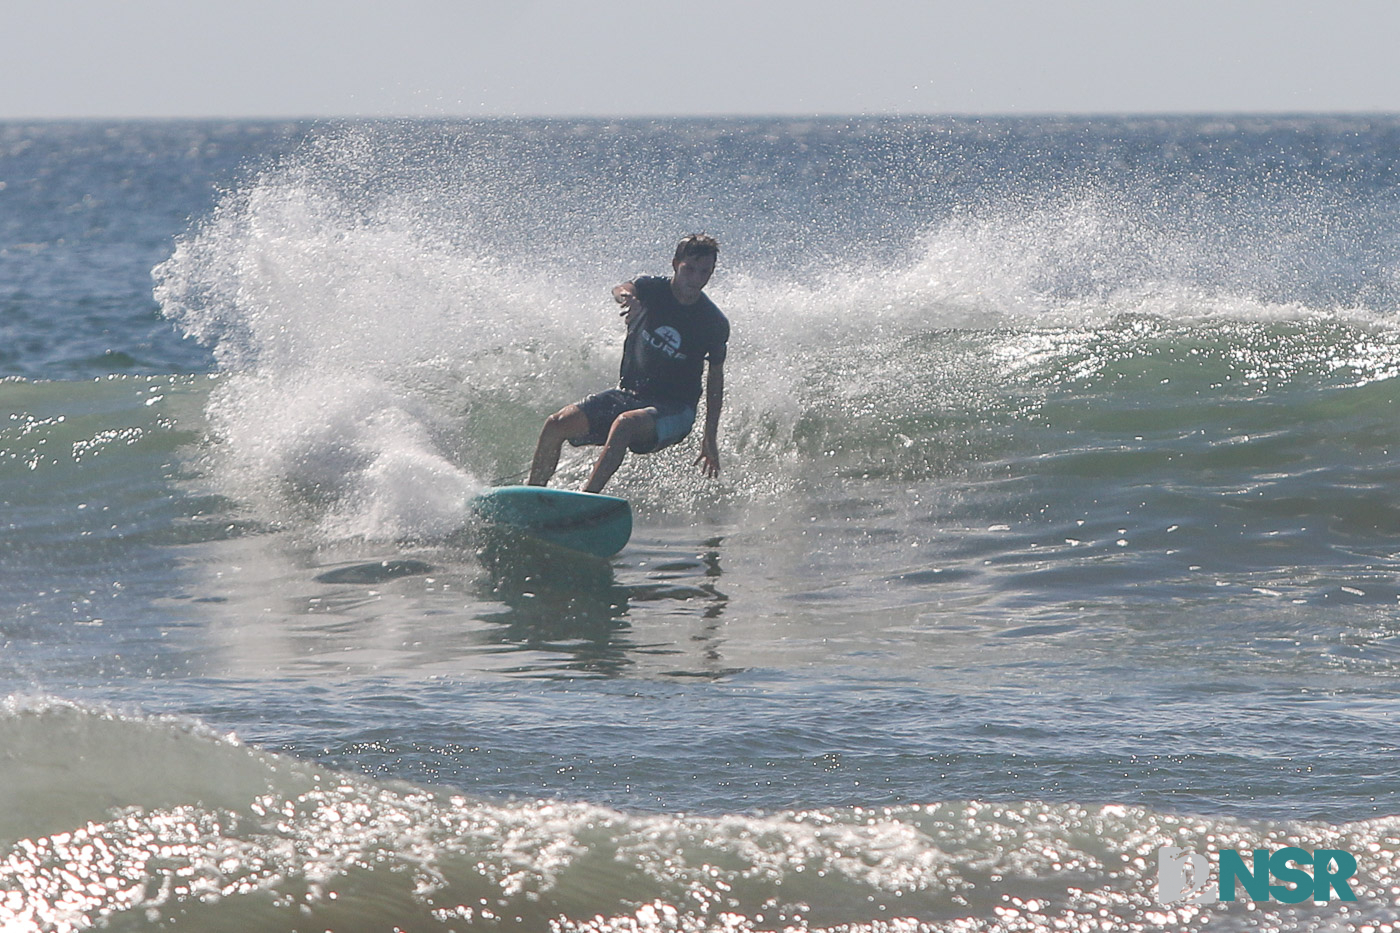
1183,875
667,340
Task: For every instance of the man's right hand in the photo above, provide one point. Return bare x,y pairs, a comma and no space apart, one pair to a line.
626,295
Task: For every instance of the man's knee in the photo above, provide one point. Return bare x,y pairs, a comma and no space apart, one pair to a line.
632,428
566,423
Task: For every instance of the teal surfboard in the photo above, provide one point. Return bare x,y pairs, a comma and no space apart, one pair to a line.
582,521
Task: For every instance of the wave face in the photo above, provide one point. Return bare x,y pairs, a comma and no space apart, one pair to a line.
1056,526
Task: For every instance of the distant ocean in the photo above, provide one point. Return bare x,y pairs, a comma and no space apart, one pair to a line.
1059,524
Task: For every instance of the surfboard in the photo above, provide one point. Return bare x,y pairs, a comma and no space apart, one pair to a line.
581,521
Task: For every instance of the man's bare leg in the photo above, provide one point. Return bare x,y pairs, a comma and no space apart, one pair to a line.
559,427
627,429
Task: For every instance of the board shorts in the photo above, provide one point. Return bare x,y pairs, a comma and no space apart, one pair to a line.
673,419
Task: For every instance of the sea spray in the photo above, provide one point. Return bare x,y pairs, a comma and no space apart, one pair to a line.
399,305
346,333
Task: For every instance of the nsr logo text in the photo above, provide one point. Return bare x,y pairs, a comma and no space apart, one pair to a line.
1184,876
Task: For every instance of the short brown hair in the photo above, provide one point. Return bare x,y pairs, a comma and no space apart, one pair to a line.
696,245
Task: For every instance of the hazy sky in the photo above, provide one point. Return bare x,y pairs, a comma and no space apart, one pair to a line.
157,58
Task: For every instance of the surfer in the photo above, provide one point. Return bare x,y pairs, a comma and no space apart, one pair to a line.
672,329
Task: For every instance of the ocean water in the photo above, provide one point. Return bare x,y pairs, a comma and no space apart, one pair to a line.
1058,523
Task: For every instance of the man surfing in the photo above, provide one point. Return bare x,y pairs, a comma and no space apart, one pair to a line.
672,329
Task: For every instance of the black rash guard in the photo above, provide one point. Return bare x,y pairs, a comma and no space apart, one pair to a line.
668,343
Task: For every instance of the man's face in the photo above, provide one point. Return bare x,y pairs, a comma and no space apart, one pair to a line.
692,274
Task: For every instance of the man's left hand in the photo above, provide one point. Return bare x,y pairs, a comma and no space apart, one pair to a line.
708,461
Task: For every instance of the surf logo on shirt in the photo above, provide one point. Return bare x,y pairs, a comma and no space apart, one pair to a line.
665,339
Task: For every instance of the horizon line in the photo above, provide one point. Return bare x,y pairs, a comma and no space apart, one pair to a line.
735,116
